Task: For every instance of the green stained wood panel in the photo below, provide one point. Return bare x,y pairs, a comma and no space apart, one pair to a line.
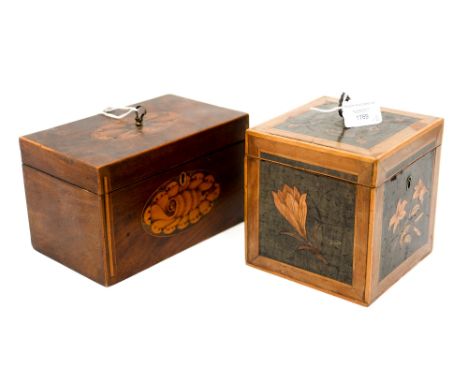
322,241
330,126
407,211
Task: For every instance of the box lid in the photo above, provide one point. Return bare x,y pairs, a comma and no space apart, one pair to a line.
102,154
379,145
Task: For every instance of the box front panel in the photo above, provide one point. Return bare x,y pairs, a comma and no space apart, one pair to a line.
307,214
307,220
407,211
167,213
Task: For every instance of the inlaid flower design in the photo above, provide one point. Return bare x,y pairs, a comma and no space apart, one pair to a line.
410,218
292,205
419,191
400,213
180,202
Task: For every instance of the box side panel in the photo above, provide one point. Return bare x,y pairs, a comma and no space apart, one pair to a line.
65,223
165,214
406,213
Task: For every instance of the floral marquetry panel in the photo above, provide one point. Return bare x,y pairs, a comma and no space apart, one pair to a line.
330,126
307,220
406,215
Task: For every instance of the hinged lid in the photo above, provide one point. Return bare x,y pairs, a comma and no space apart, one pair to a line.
385,146
102,154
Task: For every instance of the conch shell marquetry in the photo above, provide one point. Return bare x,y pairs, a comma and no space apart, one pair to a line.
180,202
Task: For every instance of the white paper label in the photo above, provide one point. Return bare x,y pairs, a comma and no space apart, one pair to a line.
361,114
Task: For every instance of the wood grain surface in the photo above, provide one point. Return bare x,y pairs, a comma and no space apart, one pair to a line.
294,141
66,223
175,130
89,182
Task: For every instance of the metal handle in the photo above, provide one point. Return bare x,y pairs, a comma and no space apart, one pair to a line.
140,112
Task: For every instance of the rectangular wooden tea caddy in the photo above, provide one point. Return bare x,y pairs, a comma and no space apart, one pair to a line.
109,198
347,211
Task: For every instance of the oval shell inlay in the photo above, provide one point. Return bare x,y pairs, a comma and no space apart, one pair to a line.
180,202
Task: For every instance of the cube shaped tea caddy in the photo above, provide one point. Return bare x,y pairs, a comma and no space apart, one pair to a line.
346,211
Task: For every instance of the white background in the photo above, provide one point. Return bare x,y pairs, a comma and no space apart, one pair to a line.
204,315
